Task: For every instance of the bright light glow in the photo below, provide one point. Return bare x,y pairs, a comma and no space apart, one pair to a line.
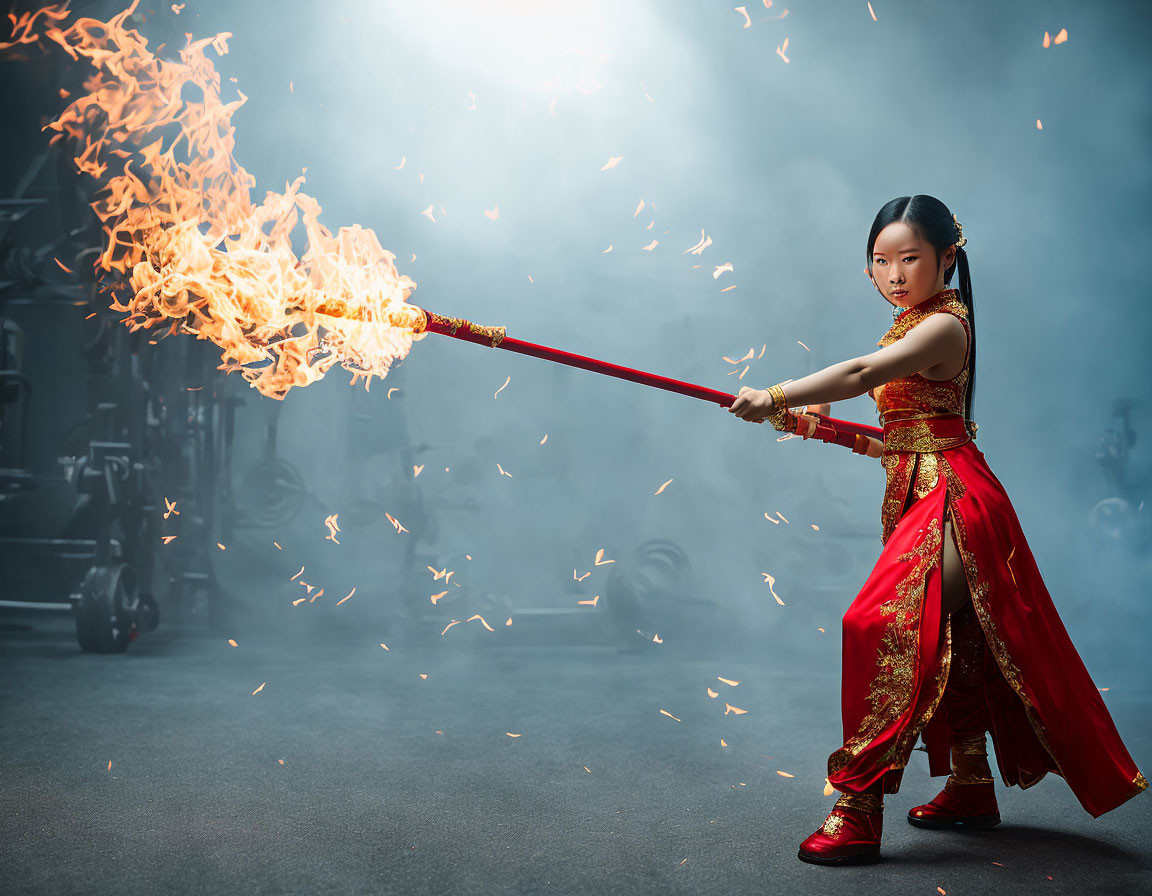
543,46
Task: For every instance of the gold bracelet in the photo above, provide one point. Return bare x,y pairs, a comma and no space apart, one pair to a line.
779,417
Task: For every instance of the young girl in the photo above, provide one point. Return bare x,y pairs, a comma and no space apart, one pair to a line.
954,633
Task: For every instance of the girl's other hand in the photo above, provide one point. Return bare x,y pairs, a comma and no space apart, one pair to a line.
752,405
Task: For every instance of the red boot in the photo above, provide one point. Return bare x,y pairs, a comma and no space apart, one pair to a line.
850,834
969,795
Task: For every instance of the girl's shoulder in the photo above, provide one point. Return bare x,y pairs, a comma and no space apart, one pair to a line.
948,302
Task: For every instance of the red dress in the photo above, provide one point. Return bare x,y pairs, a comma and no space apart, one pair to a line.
1045,710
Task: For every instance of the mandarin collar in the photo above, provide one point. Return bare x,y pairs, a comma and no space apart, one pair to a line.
941,296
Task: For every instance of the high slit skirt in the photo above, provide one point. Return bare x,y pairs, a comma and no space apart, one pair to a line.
1046,713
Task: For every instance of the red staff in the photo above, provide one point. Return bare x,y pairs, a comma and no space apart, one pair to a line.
861,438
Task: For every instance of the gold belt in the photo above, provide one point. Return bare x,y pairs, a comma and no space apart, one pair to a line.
925,432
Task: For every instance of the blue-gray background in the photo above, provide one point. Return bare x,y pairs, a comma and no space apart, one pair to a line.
784,166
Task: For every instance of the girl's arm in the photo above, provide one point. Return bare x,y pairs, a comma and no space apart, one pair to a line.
938,339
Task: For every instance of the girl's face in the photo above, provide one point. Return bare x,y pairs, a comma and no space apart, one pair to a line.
904,267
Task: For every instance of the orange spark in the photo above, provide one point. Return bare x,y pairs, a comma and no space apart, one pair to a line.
1039,126
727,681
482,622
416,470
168,538
664,486
501,389
503,472
728,707
728,288
494,214
394,522
652,245
669,714
66,270
785,775
703,243
744,12
828,788
391,390
771,580
171,508
583,577
640,206
545,439
259,689
345,597
220,546
590,603
781,50
720,269
872,12
403,159
1061,37
333,528
612,162
606,251
599,561
293,579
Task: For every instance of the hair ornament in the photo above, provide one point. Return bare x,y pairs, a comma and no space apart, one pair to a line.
960,239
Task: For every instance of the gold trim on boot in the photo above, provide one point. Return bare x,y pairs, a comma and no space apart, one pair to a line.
970,761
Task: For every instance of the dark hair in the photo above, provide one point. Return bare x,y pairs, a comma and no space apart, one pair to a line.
931,221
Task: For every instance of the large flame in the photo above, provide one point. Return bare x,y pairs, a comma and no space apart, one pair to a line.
180,223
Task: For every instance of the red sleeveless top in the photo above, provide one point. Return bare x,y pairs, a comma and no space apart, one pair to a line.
921,417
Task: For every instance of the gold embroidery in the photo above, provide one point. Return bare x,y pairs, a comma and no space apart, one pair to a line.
891,690
919,437
927,473
832,824
1140,781
898,467
904,747
916,392
862,802
948,300
956,487
979,588
976,745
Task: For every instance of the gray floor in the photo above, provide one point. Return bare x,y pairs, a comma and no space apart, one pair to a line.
390,783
